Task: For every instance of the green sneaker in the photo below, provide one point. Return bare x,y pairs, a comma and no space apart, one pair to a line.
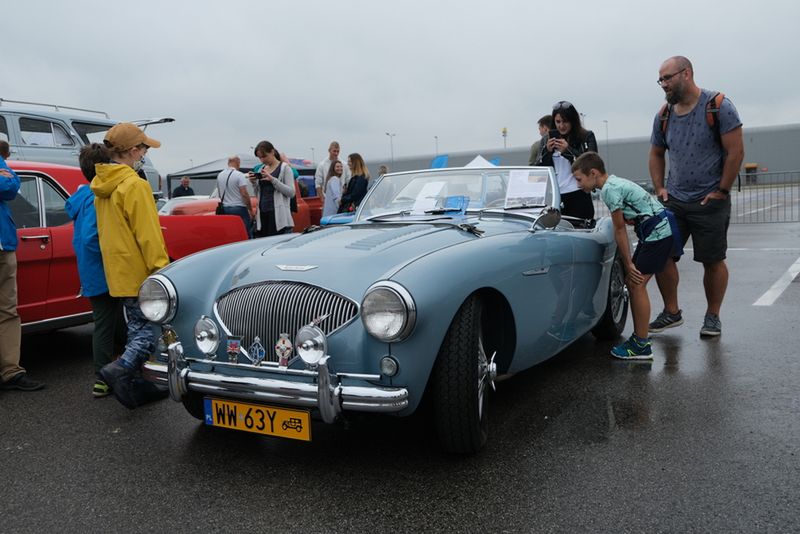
100,389
634,349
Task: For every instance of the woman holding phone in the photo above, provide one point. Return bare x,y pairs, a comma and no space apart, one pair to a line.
274,183
565,143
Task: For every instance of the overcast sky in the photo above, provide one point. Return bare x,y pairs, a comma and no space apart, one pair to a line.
301,73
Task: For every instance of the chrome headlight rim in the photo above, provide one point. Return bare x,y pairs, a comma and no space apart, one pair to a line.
405,298
172,297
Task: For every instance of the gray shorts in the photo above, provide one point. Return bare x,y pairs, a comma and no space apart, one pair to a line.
707,225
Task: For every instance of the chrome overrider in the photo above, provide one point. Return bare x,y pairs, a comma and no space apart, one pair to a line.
327,394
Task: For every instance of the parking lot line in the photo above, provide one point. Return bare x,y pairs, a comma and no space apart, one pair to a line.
772,294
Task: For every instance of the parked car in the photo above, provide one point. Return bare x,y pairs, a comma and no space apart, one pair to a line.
47,273
445,280
167,207
55,134
208,206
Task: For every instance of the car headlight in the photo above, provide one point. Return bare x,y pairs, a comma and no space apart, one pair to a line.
206,335
158,299
388,311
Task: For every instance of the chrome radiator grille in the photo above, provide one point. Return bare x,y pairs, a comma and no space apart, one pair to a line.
269,309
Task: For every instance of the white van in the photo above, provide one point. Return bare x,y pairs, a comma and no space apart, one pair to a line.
55,134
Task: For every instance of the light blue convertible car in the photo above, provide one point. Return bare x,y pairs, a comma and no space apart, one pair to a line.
446,280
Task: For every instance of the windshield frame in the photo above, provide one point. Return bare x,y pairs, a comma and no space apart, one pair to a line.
552,196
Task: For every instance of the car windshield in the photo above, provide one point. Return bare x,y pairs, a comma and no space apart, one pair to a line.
456,190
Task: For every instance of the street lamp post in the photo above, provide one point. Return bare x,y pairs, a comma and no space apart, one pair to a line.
313,160
391,146
436,139
191,163
608,154
504,131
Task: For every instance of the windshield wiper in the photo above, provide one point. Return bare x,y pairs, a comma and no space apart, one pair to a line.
440,211
383,216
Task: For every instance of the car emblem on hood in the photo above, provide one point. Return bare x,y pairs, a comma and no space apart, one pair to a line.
296,267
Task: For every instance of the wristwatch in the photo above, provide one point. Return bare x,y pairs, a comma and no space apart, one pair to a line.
724,191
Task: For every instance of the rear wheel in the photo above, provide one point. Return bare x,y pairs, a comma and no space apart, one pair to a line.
461,378
613,320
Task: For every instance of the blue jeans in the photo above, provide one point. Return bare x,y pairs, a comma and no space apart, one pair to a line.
141,336
244,213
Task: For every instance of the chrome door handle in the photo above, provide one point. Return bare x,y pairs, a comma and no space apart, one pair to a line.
44,238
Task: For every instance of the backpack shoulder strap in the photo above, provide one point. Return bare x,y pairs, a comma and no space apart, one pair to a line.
663,117
712,114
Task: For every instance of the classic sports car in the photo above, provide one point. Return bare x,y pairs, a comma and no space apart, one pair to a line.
445,280
48,288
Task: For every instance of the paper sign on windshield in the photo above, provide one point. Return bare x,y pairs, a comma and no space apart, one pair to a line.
526,188
428,196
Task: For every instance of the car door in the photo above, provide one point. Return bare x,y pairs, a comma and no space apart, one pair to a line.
34,250
63,286
47,140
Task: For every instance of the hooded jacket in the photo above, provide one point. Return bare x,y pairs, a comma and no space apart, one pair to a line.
8,191
86,243
131,241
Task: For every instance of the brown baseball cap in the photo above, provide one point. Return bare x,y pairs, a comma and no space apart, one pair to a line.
124,136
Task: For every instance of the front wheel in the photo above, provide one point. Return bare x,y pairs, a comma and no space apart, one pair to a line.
613,320
461,378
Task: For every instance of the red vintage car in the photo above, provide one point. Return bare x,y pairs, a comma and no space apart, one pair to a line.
309,209
47,272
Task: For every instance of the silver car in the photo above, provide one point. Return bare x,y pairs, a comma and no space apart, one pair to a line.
49,133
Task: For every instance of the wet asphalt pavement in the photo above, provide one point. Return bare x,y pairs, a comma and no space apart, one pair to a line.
704,438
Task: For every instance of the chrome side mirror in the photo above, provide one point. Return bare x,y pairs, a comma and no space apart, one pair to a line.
548,219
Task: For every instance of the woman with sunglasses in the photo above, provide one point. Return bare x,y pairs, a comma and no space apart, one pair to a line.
565,143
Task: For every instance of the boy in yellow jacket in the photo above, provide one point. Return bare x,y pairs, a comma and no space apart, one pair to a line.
133,248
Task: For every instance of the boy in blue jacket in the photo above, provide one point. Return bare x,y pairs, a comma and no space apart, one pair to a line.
658,237
108,337
12,375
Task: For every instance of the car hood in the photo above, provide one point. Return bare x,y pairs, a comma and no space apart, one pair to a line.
348,258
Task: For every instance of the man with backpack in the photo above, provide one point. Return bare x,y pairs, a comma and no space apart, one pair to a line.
702,131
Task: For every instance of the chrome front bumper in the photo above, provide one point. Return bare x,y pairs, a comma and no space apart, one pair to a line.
327,393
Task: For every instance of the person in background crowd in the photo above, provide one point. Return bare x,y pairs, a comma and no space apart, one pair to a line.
183,190
630,203
357,186
132,248
275,187
324,167
703,163
232,185
108,335
383,169
12,375
333,189
564,144
545,125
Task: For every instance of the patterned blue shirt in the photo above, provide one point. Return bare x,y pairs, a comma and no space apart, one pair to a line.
695,157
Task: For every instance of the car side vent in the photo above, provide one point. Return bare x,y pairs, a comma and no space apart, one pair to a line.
268,309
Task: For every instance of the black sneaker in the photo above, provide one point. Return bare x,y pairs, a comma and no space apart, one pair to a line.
120,379
665,320
22,382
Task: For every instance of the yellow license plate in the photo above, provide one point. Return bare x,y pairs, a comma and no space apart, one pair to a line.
280,422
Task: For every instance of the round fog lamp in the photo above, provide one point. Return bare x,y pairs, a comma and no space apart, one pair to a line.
206,335
311,344
388,366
